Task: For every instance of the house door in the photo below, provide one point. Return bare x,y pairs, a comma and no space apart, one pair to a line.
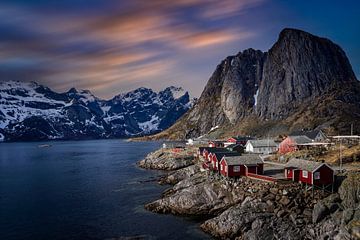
296,175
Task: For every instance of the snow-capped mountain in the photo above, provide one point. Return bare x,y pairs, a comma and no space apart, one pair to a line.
29,111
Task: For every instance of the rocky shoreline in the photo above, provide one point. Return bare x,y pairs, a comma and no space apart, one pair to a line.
253,209
165,159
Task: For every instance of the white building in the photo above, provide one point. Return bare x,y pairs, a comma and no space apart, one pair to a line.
264,146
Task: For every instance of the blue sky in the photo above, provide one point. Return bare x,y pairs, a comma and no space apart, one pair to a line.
112,46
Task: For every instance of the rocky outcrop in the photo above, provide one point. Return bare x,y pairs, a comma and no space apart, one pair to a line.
303,81
197,195
165,159
349,191
179,175
252,221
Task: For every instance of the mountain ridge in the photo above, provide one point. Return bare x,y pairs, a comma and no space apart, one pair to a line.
30,111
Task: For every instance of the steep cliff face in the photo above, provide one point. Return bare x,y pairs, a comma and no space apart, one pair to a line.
302,81
241,83
300,66
228,95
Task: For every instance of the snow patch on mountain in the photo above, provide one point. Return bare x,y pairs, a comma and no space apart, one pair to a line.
256,97
177,92
151,125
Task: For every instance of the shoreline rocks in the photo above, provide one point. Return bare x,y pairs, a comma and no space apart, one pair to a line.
166,159
176,176
250,209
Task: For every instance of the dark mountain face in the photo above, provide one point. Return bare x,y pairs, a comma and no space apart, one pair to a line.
241,84
300,66
229,93
302,81
29,111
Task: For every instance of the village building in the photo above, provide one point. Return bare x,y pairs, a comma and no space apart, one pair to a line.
314,135
209,150
309,172
216,144
241,140
291,143
200,151
174,144
263,146
205,152
236,148
237,166
216,158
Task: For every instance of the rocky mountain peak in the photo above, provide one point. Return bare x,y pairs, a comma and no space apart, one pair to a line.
72,90
300,66
302,81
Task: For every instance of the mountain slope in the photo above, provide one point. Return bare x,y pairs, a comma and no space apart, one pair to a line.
303,81
29,111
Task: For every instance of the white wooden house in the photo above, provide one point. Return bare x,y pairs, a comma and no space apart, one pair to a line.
263,146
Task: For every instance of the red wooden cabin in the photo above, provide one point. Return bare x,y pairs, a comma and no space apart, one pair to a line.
290,144
200,151
216,158
309,172
237,166
207,152
241,140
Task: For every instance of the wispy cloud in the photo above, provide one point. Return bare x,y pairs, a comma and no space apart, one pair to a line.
110,43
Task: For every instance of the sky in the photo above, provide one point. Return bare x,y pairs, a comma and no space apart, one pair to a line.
114,46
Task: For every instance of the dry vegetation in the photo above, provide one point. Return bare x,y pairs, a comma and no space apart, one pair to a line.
350,155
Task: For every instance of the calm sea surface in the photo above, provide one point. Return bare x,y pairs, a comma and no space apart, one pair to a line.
83,190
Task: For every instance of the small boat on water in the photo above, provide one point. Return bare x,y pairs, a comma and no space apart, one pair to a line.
44,145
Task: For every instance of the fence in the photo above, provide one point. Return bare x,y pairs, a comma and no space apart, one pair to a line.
262,177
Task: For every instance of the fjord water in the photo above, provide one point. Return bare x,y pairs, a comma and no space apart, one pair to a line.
83,190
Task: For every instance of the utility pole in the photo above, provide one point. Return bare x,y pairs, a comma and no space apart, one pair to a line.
340,156
352,128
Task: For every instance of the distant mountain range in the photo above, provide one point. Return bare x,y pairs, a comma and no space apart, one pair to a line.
29,111
303,81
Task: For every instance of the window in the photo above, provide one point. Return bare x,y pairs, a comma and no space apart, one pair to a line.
317,175
236,168
221,167
304,174
217,165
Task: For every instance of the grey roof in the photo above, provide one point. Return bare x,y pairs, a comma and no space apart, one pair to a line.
310,134
263,143
232,146
201,149
242,138
220,155
301,139
216,149
245,159
212,149
303,164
